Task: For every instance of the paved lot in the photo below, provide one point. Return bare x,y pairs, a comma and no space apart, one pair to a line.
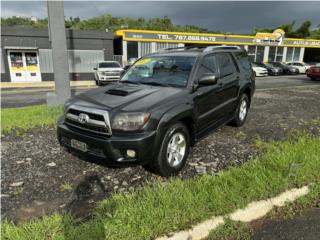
26,97
39,177
302,227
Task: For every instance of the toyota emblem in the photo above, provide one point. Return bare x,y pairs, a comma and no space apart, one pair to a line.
83,118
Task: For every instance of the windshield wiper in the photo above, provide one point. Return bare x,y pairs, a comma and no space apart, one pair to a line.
128,81
154,83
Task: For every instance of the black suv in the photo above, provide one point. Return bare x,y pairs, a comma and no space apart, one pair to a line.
162,105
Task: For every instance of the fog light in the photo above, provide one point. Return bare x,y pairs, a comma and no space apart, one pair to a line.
131,153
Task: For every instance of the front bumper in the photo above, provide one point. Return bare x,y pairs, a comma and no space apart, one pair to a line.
111,149
261,74
108,78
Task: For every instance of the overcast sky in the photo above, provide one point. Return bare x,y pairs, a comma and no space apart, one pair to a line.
237,17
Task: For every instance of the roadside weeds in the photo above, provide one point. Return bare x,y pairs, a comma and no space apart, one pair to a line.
166,207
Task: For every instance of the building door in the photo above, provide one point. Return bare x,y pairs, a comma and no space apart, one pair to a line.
24,66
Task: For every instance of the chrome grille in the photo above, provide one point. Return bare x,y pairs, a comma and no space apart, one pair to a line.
115,73
97,121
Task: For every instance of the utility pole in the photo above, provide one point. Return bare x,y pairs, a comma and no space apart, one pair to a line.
57,37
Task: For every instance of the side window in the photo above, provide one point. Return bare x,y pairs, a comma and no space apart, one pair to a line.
208,65
226,65
243,61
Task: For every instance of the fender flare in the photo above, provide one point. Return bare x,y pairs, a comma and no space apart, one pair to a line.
171,116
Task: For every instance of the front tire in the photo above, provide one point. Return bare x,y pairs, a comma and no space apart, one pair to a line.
241,113
174,151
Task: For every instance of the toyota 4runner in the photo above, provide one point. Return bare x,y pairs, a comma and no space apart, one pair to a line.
163,104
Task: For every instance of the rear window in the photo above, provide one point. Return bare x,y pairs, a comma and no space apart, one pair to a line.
109,65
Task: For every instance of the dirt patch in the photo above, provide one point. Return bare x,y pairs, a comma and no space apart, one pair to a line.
35,169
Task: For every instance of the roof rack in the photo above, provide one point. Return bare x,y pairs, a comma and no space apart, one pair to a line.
206,48
177,48
211,48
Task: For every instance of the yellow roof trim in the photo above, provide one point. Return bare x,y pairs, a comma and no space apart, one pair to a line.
201,42
123,31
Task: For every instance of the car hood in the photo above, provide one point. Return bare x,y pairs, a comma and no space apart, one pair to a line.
128,97
259,68
110,69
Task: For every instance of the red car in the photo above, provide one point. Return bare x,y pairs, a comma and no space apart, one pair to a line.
314,72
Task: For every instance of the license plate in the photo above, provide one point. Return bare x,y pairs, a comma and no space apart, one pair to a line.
79,145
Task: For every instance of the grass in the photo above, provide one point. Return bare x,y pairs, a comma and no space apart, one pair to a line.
232,230
22,119
66,186
168,206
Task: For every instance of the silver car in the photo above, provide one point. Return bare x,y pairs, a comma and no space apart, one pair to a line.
107,71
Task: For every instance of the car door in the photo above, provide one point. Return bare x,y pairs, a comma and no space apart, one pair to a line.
229,81
206,98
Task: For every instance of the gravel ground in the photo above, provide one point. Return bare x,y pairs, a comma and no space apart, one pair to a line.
39,177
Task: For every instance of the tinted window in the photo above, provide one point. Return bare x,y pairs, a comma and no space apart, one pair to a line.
208,65
226,65
243,60
109,65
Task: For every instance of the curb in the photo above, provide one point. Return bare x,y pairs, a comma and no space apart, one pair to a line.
49,84
252,211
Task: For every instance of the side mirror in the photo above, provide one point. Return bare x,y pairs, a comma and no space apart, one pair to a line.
208,79
95,68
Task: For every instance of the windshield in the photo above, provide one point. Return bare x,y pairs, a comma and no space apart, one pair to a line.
109,65
161,70
257,64
276,64
268,65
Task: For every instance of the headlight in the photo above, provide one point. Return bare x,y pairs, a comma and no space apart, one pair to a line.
102,73
130,121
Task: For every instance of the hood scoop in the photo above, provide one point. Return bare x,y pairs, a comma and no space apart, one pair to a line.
122,90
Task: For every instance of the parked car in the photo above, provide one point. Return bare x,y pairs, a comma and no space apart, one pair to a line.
163,104
314,72
274,71
303,67
107,71
259,71
285,68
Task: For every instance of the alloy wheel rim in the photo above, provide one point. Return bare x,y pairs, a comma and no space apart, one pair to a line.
176,149
243,110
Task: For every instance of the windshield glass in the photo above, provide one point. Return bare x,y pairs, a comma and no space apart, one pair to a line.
161,70
258,64
109,65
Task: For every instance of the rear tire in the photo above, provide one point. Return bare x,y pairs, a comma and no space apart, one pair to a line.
241,113
174,151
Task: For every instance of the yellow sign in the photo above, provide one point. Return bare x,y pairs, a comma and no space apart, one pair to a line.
142,61
32,68
276,37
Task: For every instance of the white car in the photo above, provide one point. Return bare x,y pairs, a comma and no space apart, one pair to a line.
259,71
107,71
303,67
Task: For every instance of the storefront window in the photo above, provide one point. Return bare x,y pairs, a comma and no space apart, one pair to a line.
293,54
289,54
272,54
255,53
132,50
275,54
260,54
279,54
144,48
296,54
